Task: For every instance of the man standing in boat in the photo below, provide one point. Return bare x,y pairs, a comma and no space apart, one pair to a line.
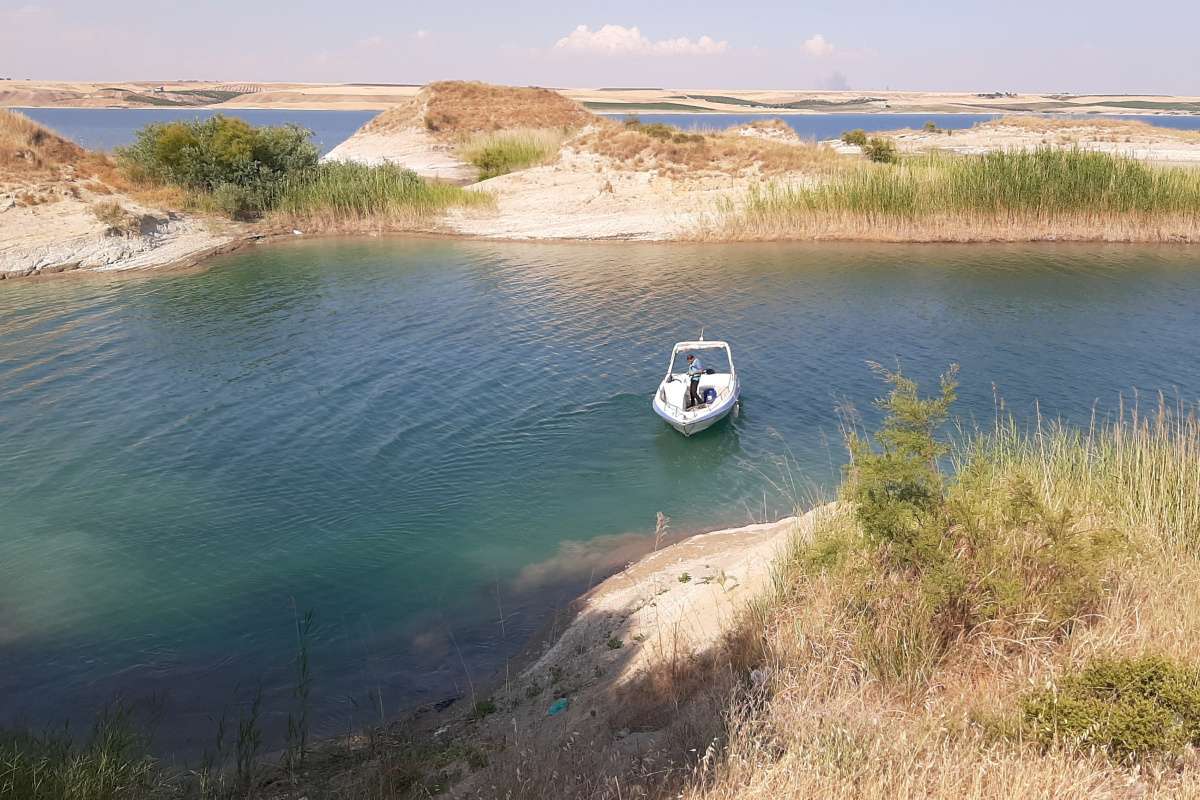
695,370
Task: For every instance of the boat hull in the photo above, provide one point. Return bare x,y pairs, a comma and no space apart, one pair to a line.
699,422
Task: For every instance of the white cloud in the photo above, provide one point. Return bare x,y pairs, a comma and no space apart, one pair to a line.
619,40
818,46
370,42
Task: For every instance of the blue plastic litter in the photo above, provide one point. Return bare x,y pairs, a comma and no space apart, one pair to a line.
558,706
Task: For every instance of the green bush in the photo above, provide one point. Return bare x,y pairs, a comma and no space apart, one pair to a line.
930,127
937,561
897,487
856,137
237,202
206,155
881,151
1129,708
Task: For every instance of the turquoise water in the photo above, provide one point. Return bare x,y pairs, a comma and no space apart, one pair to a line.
435,443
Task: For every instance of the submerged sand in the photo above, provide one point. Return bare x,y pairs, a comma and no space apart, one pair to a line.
662,615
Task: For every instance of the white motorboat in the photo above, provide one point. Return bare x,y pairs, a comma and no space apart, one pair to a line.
719,391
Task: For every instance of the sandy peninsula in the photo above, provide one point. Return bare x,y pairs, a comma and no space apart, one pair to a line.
579,176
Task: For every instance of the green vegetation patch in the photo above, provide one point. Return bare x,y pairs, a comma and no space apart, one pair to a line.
929,562
344,191
604,105
503,152
1156,105
881,150
209,95
1130,708
855,137
226,165
720,99
110,764
1041,183
243,166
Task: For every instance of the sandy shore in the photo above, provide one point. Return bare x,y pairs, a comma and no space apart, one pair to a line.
664,614
65,235
1115,137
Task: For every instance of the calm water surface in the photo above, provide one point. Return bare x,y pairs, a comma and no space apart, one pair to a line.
831,126
406,435
106,128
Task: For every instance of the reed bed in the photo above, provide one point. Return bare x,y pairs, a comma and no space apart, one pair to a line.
1141,470
501,152
1009,195
336,195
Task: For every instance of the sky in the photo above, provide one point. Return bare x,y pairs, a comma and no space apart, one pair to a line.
1018,45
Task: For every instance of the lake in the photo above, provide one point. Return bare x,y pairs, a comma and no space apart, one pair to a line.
434,444
106,128
831,126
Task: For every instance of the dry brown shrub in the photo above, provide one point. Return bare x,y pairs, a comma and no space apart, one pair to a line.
32,151
116,218
723,152
772,124
1092,127
452,108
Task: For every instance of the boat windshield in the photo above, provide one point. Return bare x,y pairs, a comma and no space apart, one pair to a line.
715,360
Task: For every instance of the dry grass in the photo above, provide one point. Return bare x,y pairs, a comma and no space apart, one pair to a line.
30,152
116,218
773,124
1097,128
456,108
827,726
821,730
670,151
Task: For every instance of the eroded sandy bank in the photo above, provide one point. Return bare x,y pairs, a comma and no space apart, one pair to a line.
66,235
600,694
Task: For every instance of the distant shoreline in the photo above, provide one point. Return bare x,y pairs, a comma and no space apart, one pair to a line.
656,112
262,96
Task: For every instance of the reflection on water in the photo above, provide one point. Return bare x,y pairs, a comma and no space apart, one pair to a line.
434,443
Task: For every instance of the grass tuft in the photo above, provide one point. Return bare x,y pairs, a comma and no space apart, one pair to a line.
338,193
109,765
502,152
